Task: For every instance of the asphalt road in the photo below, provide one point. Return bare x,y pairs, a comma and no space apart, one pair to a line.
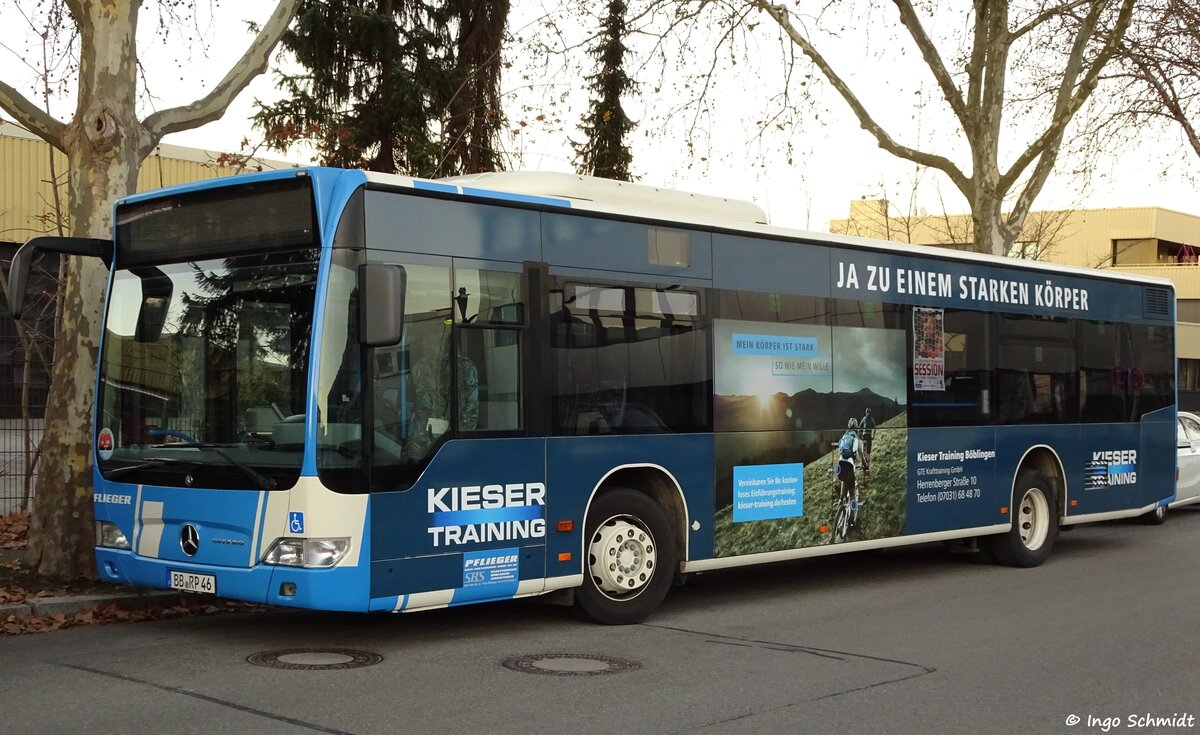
908,641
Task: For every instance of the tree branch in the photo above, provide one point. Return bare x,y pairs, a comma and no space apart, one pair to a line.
945,165
1044,16
1046,146
213,105
979,48
933,60
1071,96
1154,75
31,117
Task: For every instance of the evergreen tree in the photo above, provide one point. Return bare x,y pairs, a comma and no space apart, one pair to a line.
377,72
397,86
474,114
605,152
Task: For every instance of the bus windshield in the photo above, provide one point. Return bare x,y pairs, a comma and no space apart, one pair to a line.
205,371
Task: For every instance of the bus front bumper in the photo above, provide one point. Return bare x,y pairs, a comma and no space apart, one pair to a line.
337,588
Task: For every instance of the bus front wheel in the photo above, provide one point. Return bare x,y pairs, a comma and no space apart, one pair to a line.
1035,523
630,558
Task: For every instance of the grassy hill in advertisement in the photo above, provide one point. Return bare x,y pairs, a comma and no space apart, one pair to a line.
882,493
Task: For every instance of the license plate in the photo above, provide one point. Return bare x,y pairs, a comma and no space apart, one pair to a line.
188,582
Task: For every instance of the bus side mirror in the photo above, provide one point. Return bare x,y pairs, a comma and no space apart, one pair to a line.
380,304
18,272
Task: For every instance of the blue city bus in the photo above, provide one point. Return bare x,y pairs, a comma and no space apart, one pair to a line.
348,391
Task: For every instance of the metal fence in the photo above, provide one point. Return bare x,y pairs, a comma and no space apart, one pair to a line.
24,382
23,387
18,476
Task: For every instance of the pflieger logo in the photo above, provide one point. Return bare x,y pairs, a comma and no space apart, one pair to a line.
189,539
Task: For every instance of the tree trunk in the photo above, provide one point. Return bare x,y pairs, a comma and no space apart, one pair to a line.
986,218
987,200
103,144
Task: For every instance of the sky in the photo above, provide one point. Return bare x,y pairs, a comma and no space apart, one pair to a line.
804,171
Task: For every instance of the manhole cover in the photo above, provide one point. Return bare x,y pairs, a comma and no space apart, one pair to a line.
569,664
315,659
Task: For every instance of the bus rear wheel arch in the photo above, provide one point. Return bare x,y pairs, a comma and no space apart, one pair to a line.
629,558
1035,520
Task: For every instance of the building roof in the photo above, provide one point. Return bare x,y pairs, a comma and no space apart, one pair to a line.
27,199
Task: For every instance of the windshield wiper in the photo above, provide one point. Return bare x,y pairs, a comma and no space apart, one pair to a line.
266,483
151,462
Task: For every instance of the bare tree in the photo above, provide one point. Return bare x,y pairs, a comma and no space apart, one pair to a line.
1157,69
1042,233
35,334
1081,35
104,142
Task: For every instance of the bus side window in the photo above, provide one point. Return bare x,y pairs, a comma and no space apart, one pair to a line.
628,360
756,306
1036,376
411,391
489,313
1102,367
1152,375
968,396
489,379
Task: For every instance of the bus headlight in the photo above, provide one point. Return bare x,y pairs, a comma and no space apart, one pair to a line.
310,553
109,535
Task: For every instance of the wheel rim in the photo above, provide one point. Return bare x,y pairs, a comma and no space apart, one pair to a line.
1160,512
1034,519
622,557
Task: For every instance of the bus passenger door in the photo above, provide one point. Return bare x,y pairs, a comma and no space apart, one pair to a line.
498,445
458,480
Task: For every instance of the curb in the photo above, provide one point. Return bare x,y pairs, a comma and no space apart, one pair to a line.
44,607
21,610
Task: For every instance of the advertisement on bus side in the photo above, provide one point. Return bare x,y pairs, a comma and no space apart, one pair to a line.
786,396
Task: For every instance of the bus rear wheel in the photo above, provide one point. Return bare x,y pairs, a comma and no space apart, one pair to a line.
1156,517
630,558
1035,523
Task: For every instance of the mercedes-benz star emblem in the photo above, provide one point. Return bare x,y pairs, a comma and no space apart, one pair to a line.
189,540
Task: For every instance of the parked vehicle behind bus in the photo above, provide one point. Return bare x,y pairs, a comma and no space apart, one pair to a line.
1187,485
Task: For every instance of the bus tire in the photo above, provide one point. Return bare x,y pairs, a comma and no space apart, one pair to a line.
1156,517
629,560
1035,523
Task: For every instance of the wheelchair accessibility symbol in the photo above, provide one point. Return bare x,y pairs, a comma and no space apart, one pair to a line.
295,522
